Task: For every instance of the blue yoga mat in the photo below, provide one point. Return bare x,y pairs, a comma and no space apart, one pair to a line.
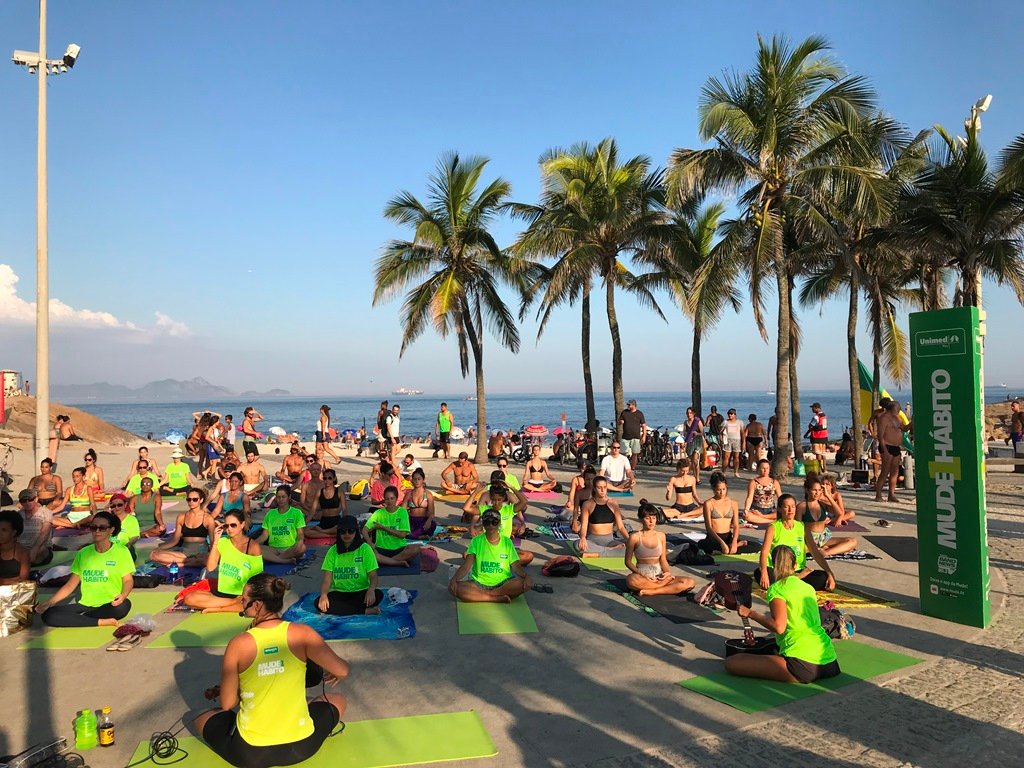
394,622
285,569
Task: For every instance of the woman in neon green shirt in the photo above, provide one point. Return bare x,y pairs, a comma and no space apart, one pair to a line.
790,532
349,585
492,564
236,559
265,672
512,510
805,653
129,532
104,571
387,530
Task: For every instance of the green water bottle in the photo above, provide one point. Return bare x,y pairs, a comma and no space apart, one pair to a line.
85,729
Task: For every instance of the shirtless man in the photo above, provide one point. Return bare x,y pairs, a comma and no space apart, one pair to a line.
255,474
536,477
460,477
292,466
753,440
67,432
496,446
249,434
890,438
310,490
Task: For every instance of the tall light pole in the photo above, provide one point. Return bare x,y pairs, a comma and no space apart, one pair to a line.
37,63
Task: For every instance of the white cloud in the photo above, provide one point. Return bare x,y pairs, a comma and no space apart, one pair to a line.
15,309
171,327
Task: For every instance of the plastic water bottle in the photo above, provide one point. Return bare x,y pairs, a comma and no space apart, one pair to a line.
105,728
173,569
85,730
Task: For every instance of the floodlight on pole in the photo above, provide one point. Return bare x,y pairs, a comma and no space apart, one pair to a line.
37,64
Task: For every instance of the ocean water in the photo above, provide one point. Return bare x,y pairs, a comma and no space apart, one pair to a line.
504,411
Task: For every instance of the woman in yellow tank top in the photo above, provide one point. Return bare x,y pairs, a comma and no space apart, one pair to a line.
265,673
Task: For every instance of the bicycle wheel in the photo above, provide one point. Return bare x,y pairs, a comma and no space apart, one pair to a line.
519,455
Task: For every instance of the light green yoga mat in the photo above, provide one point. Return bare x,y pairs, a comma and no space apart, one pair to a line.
77,638
740,557
202,630
857,660
605,563
385,743
496,618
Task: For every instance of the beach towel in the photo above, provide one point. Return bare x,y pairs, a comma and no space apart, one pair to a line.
540,494
394,622
856,554
414,568
563,532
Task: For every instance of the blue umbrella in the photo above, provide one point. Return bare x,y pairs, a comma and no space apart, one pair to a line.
349,432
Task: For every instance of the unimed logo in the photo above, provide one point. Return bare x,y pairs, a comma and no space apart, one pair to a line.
947,341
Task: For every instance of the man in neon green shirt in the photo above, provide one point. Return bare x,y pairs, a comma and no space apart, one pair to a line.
282,530
178,476
445,422
492,564
387,530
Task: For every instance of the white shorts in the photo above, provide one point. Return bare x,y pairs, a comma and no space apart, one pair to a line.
630,446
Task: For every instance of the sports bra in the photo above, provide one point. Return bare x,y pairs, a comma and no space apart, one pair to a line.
645,552
9,568
601,515
683,488
198,532
334,502
230,505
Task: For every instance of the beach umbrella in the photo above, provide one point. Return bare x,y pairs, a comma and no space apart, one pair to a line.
473,426
561,431
332,433
279,431
349,432
680,427
174,437
536,430
457,433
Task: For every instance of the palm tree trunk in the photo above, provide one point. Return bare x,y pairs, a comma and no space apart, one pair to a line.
851,363
588,377
794,391
613,326
477,345
695,398
782,356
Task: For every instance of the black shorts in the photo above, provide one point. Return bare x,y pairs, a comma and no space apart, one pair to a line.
217,593
686,508
444,437
892,450
249,446
806,672
326,523
221,735
390,552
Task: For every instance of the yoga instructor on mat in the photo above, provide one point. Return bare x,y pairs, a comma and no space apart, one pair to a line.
805,653
264,674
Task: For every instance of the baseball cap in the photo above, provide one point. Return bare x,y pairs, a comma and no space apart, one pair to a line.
492,516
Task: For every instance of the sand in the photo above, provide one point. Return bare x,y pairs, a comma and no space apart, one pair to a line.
20,423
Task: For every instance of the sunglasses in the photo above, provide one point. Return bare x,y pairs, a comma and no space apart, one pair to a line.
99,527
116,505
232,525
88,460
616,447
348,531
491,521
503,466
195,499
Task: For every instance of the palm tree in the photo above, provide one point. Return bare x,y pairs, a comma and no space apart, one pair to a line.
780,138
699,270
594,210
452,267
966,216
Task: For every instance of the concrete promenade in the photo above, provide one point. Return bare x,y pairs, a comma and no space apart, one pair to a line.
596,685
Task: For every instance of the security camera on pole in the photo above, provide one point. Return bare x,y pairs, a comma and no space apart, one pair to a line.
37,64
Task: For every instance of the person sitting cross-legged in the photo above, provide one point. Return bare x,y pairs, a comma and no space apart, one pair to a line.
492,565
617,470
387,532
236,558
647,558
282,535
349,585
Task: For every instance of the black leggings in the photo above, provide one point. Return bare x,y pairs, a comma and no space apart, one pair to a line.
222,737
76,615
350,603
710,545
816,579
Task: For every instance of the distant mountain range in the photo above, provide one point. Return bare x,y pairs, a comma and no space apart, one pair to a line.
156,391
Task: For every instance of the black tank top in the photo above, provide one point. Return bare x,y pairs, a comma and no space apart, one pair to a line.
9,568
602,514
332,503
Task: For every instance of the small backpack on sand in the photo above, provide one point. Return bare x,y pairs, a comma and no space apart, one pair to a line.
562,566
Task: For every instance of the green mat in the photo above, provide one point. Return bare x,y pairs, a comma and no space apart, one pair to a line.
605,563
385,743
741,557
77,638
857,660
496,618
202,630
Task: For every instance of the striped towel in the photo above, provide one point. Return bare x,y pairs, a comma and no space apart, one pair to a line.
563,532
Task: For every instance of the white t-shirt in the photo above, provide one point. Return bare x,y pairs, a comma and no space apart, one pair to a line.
394,430
615,468
407,469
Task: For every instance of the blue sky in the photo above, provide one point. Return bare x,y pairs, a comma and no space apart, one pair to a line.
218,172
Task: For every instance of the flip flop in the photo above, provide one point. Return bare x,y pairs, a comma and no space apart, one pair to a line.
545,588
129,642
883,523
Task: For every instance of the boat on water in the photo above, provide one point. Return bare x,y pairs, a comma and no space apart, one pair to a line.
407,391
469,397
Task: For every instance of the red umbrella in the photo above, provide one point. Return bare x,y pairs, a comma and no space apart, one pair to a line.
536,430
561,431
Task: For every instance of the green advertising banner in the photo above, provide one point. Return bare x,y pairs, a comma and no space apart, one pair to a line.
946,370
